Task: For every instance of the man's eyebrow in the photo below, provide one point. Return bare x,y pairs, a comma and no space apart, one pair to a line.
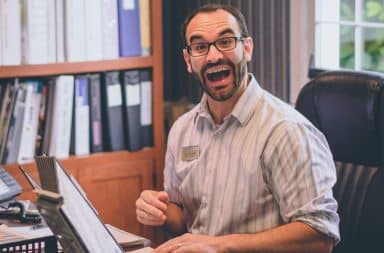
196,37
228,30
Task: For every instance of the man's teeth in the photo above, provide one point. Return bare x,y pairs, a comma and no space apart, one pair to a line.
216,71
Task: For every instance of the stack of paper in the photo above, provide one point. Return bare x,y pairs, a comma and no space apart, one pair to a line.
126,239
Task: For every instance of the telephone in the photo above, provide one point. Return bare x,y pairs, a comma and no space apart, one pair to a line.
9,188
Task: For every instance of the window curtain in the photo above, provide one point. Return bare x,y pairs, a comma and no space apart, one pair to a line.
268,25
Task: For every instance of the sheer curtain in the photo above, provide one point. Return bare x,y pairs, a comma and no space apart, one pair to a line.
268,24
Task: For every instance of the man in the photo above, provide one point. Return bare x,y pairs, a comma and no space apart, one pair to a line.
244,171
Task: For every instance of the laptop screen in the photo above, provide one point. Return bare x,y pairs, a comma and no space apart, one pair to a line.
80,214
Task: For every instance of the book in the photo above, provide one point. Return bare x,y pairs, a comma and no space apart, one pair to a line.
51,31
146,107
6,113
129,28
93,30
131,109
15,126
109,26
30,120
36,32
145,27
10,32
95,116
49,116
74,33
42,120
1,32
59,35
112,105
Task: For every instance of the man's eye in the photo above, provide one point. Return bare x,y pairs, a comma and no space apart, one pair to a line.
199,47
224,42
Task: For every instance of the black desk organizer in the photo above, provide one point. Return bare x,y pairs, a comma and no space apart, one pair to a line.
47,244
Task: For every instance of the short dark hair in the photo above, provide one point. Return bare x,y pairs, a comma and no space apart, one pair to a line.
211,8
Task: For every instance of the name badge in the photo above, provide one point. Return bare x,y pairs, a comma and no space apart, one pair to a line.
190,153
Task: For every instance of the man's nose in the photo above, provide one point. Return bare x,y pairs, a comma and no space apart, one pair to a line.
214,54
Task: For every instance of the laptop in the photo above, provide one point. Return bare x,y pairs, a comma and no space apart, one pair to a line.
78,213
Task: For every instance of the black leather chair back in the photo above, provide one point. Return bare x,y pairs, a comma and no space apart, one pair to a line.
348,107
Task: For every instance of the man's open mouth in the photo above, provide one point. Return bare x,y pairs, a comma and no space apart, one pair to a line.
218,74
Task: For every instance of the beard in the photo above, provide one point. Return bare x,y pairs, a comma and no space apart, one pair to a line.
238,70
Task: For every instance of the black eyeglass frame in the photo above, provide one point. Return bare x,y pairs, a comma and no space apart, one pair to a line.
209,44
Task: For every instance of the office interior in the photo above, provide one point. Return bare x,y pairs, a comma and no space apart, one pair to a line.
289,54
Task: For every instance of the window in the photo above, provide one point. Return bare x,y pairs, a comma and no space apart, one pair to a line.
349,34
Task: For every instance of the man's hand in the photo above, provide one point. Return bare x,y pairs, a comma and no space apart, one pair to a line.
190,243
151,207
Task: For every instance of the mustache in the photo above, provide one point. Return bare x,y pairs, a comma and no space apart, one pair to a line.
220,62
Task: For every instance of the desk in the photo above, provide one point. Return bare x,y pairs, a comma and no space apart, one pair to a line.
23,238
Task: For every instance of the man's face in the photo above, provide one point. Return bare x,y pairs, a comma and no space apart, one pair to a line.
220,73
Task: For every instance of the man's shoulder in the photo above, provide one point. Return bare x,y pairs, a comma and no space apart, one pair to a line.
279,111
186,119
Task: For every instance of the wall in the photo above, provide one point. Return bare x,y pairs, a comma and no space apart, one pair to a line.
302,13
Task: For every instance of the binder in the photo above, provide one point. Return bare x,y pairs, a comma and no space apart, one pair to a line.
146,107
129,28
80,117
95,117
61,121
113,130
131,98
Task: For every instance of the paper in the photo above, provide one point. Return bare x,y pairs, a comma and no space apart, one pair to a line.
126,239
8,235
143,250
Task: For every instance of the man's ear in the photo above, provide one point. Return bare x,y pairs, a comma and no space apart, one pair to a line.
248,48
187,60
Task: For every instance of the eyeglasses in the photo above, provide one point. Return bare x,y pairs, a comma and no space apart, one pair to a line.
222,44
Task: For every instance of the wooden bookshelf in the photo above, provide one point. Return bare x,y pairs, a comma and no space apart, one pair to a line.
75,67
112,180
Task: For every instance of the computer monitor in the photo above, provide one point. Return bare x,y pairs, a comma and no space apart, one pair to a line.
80,215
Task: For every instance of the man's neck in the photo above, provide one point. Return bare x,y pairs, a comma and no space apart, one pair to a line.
220,109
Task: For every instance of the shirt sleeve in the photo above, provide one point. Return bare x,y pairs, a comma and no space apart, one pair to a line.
300,172
171,182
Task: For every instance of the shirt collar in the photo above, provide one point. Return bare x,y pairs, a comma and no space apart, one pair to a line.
244,107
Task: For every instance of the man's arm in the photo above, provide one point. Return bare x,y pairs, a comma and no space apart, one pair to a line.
153,208
294,237
175,222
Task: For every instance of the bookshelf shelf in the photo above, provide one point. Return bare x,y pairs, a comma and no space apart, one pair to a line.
112,180
75,67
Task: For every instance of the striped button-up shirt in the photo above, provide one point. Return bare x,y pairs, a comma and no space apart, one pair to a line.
264,166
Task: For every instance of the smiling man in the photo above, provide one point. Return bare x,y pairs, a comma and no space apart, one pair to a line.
244,171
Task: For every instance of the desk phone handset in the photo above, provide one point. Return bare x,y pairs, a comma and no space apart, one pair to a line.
9,189
19,210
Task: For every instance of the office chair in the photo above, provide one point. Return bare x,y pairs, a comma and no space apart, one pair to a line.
348,107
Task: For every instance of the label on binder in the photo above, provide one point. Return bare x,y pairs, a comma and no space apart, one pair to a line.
128,5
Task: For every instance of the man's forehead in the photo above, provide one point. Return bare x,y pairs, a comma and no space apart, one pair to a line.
211,23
